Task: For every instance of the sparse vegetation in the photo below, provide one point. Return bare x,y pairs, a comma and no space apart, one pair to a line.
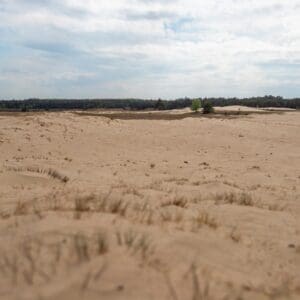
165,198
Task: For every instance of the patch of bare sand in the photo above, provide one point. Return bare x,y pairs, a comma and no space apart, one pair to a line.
151,209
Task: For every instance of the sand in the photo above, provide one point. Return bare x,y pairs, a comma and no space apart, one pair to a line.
93,207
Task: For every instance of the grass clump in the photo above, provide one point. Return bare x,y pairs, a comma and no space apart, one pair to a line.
203,218
242,199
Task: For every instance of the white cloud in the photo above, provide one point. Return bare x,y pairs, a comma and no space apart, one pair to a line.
152,48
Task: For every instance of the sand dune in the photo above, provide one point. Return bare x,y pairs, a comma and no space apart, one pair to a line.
94,207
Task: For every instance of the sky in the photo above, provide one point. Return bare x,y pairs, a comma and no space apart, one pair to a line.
149,48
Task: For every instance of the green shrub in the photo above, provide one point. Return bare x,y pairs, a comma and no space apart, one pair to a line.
196,105
208,108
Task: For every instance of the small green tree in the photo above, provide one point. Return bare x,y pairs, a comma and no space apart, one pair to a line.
196,105
208,108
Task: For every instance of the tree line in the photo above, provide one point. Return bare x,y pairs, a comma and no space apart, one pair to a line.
141,104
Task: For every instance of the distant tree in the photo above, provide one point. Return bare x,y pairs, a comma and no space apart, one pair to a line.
196,105
160,105
208,107
139,104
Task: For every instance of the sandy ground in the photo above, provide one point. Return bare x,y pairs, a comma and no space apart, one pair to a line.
198,208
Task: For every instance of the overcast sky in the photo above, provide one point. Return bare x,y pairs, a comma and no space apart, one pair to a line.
149,48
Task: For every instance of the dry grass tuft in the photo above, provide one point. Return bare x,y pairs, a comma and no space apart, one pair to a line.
234,198
178,181
49,172
177,201
135,242
132,191
21,209
171,215
56,175
199,290
81,247
245,199
102,243
82,204
118,207
203,218
101,203
36,261
78,205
